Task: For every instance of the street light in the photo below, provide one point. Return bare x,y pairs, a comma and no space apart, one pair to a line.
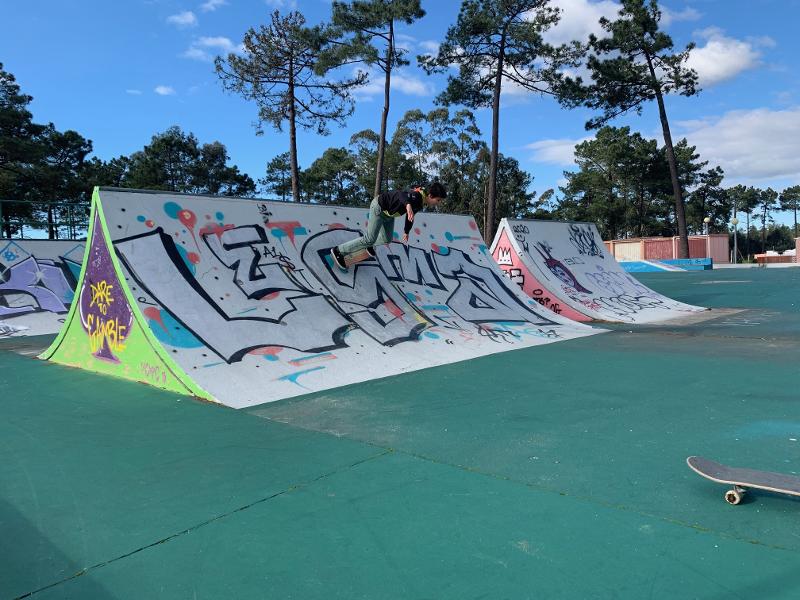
735,223
706,221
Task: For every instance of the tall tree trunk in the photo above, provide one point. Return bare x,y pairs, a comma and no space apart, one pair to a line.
680,213
641,211
491,200
384,117
747,243
50,225
293,138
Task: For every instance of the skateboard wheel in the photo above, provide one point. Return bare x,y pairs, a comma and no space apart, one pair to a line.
733,497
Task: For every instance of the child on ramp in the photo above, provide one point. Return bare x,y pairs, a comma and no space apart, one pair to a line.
380,228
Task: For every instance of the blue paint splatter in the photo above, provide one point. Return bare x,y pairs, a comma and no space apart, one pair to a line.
219,216
141,219
172,209
185,256
431,335
173,333
293,377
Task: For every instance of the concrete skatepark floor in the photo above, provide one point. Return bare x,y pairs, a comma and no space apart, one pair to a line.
549,472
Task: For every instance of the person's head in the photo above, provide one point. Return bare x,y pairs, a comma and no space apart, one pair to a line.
436,193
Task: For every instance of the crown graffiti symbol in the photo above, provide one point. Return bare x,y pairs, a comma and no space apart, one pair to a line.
504,256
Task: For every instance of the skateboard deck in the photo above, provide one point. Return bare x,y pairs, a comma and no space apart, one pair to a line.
743,479
356,257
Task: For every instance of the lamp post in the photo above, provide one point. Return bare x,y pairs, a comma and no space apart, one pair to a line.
706,221
735,223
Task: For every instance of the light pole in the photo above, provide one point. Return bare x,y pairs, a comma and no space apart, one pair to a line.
735,223
706,221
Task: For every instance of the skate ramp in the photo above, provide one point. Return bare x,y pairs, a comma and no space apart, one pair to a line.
237,301
566,267
37,284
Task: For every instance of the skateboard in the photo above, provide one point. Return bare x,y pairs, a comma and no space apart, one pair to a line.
353,259
744,479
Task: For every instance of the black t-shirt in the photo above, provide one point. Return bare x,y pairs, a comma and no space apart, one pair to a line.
394,202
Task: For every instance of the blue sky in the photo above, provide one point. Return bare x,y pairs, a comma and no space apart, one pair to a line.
118,72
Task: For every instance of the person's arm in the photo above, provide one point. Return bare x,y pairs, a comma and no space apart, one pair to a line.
409,218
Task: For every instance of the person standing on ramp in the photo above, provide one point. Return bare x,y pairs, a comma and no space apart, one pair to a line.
380,228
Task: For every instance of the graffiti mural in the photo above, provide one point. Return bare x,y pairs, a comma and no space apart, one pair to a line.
37,283
104,311
558,268
515,270
568,264
243,298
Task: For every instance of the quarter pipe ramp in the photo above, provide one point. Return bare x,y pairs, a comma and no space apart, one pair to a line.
237,301
566,267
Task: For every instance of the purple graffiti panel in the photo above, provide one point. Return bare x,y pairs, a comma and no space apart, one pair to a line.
104,310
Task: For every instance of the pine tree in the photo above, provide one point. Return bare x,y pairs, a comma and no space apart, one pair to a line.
634,65
364,32
277,71
498,43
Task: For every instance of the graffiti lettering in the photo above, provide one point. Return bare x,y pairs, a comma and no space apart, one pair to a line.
101,296
221,313
480,294
546,301
410,264
153,373
258,272
582,237
365,292
623,305
34,285
105,332
515,275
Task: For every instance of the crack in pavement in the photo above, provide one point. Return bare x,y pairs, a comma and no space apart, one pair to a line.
290,489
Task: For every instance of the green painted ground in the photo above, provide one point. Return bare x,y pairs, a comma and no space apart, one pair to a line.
554,472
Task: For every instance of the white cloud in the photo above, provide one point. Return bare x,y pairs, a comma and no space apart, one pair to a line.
133,92
560,152
429,46
750,145
164,90
723,57
206,48
184,19
405,84
405,41
579,18
212,5
290,4
669,16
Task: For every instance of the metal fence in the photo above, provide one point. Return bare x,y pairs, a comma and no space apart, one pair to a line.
64,220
